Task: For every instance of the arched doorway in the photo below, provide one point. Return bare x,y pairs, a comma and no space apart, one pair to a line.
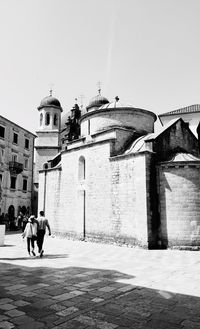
11,217
23,210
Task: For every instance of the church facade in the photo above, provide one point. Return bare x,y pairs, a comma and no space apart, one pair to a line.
105,175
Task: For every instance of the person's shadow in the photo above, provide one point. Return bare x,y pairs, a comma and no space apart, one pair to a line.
36,257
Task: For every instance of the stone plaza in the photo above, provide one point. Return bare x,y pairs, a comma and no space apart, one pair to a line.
79,284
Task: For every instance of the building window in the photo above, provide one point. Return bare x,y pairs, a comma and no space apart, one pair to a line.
15,138
55,120
14,157
88,127
41,118
2,131
47,121
26,143
26,164
81,168
13,182
1,181
24,184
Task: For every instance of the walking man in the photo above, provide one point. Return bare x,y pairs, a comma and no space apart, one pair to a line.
42,224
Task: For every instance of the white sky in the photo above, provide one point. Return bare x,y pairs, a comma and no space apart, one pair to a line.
145,51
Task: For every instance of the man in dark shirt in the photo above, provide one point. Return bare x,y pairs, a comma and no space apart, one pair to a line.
42,224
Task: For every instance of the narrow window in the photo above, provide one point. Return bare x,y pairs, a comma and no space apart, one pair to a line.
55,120
88,127
13,182
15,138
47,121
26,164
0,182
2,131
14,157
26,143
24,184
41,118
81,169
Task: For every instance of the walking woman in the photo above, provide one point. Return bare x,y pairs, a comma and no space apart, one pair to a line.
30,233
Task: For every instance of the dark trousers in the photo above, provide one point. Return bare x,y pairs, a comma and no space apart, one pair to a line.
40,239
30,241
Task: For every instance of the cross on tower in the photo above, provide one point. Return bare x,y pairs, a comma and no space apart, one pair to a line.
99,87
51,88
81,99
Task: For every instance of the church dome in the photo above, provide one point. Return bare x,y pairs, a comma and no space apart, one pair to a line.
49,101
114,105
97,101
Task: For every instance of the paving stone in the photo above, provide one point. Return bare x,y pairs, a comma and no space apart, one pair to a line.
159,324
33,325
13,313
6,325
22,320
107,289
77,292
93,322
49,320
20,303
67,311
97,300
15,287
63,296
67,303
7,307
57,307
43,303
5,300
190,324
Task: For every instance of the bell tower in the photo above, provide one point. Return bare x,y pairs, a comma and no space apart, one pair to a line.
48,133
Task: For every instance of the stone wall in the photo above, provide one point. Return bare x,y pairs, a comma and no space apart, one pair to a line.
110,204
179,205
129,199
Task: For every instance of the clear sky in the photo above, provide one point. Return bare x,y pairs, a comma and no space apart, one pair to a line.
145,51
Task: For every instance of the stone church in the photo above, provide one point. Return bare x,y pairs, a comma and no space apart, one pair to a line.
103,174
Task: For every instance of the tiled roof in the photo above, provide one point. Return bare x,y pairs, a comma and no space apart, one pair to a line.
183,157
187,109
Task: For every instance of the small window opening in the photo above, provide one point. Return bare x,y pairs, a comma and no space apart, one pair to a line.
81,173
47,122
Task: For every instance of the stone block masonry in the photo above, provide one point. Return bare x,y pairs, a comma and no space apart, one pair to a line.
179,189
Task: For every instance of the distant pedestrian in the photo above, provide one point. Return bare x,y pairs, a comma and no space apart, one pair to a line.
24,222
20,220
42,224
30,233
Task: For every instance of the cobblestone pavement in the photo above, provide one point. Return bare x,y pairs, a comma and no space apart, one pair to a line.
87,285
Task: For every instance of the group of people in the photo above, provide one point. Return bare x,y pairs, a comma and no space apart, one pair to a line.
34,231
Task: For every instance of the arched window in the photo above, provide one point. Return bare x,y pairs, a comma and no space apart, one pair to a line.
47,121
81,168
55,120
41,118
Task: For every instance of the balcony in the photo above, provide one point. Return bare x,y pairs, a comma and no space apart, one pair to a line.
15,167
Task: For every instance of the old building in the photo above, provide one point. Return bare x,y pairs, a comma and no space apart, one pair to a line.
16,169
114,179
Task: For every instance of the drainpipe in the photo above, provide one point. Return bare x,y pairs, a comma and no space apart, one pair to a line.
84,230
45,186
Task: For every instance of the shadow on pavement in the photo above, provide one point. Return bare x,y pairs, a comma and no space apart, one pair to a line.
80,298
35,257
7,245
